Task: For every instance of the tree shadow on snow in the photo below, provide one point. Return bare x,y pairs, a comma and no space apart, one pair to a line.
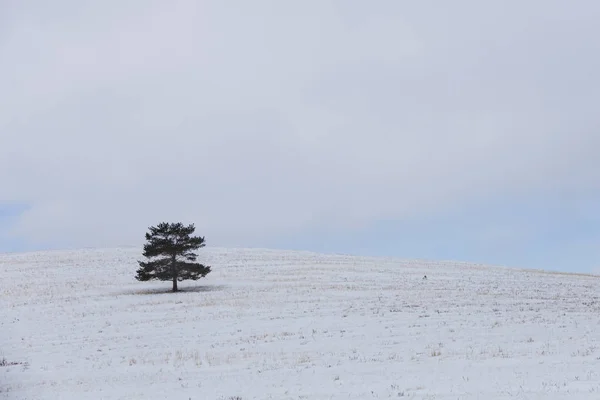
167,290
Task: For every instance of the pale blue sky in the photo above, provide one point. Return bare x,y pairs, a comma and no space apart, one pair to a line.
547,233
463,130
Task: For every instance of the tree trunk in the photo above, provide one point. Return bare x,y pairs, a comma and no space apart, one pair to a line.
174,271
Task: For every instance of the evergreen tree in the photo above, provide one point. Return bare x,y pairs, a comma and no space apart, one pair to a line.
170,251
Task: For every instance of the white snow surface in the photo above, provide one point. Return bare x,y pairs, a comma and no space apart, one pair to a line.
294,325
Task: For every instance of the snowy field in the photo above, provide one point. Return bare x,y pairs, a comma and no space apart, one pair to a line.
290,325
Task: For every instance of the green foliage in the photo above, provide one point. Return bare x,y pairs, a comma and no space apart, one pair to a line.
170,250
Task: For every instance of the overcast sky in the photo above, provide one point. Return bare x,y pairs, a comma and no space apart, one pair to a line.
463,130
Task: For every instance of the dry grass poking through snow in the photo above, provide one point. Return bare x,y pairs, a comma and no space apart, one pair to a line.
290,325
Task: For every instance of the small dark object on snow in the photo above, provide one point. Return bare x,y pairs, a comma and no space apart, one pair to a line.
425,277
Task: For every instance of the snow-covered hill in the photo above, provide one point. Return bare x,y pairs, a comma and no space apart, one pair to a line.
290,325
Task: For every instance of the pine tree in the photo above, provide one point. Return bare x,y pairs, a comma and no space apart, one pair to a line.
170,251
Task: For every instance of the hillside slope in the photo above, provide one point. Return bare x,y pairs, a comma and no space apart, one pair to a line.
291,325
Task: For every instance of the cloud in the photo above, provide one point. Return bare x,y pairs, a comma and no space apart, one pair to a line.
265,118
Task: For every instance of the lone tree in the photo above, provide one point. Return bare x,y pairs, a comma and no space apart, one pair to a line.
170,250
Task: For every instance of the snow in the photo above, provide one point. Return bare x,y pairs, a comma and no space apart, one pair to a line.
294,325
